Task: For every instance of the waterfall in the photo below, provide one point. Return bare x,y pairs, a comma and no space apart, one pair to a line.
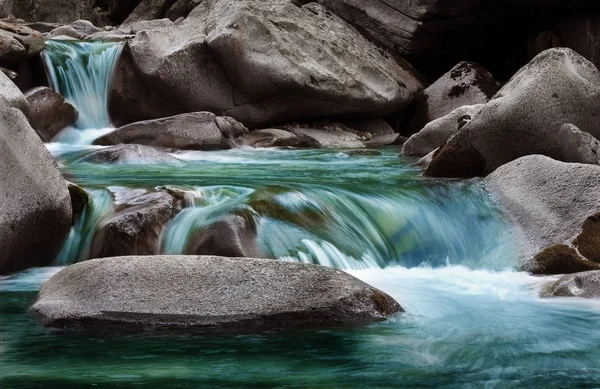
82,72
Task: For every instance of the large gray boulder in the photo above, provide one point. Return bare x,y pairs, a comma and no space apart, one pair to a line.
323,138
49,112
197,131
140,293
130,154
558,86
549,200
137,224
260,62
584,285
17,43
35,206
436,133
467,83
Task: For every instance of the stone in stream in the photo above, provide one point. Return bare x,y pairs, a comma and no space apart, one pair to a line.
466,84
233,236
191,292
137,224
437,132
559,259
260,62
190,131
525,117
584,285
35,206
324,138
270,137
12,95
79,199
130,154
553,203
49,112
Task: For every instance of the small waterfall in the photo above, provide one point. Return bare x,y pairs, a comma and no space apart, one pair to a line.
82,72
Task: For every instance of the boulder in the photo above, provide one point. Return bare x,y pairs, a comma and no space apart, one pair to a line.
270,137
148,10
190,131
260,62
12,94
559,259
130,154
324,138
234,236
584,285
35,207
578,146
467,83
558,86
17,43
436,133
137,225
79,29
49,112
549,200
206,293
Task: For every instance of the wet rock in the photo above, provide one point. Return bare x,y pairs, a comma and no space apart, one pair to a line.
215,60
549,200
436,133
140,293
137,225
130,154
12,94
560,259
35,207
558,86
79,199
270,137
234,236
578,146
466,84
191,131
17,43
584,285
49,112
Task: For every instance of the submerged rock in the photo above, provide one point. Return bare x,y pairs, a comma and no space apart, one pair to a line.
585,285
49,112
556,87
234,236
190,131
261,62
130,154
135,293
436,133
466,84
35,207
137,225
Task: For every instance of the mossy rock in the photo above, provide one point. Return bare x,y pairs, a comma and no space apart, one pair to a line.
588,241
560,259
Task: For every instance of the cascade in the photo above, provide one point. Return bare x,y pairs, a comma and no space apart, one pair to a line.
82,72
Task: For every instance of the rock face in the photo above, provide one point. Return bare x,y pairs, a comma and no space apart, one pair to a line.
130,154
136,226
549,200
467,83
49,112
17,43
56,11
260,62
436,133
558,86
196,131
11,94
234,236
585,285
35,206
135,293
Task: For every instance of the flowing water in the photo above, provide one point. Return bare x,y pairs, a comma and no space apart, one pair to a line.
444,250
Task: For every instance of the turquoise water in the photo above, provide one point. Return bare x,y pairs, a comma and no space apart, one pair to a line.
442,249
